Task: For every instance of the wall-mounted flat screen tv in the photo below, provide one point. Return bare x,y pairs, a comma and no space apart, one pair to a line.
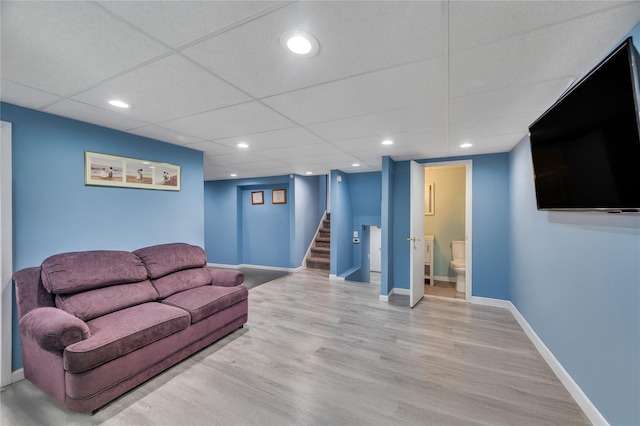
586,147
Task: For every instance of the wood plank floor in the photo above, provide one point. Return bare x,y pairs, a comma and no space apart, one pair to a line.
321,352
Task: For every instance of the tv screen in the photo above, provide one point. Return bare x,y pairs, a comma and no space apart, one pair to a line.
586,147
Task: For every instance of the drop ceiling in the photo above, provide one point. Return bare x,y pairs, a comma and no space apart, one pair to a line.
208,75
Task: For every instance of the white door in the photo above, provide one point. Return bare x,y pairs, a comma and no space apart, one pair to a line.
416,234
375,249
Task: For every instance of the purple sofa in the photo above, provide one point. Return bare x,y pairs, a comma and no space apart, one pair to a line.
96,324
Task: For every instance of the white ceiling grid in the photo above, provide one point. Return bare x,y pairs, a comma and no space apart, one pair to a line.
211,74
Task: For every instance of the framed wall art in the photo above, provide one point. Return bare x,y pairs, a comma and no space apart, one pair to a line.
257,197
279,196
111,170
429,198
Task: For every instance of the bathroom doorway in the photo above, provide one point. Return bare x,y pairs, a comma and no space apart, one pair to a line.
448,219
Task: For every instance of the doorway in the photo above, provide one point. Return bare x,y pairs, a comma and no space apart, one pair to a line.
375,249
448,218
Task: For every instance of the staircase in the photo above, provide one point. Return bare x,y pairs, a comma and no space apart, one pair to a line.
319,256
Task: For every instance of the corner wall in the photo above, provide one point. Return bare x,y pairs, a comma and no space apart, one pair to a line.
575,278
277,235
54,212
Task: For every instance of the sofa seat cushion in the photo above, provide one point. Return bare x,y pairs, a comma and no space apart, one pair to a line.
121,332
164,259
79,271
90,304
203,302
181,281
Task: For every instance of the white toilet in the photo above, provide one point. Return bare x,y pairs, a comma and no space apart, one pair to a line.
458,264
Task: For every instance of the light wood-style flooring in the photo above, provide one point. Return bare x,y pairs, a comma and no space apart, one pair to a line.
321,352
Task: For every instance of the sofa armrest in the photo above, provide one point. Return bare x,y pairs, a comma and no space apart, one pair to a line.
53,329
226,277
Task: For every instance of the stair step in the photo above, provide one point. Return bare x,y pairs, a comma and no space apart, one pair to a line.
323,243
324,252
318,263
324,234
326,224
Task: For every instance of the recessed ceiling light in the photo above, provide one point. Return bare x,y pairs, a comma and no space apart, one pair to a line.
387,142
118,103
466,145
308,173
301,43
243,145
355,165
233,175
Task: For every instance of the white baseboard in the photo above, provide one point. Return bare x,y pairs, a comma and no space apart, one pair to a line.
393,291
444,278
335,277
246,265
578,395
17,375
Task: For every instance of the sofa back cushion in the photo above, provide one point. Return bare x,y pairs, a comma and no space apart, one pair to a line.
79,271
181,281
91,304
164,259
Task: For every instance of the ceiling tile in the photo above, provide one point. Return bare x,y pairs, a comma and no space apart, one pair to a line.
354,37
167,135
294,136
432,137
179,22
300,151
368,93
243,119
186,89
28,97
547,54
471,131
382,124
475,23
534,98
52,46
90,114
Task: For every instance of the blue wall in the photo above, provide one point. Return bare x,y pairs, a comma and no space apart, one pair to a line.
575,278
278,235
341,224
54,212
387,220
265,229
365,192
490,209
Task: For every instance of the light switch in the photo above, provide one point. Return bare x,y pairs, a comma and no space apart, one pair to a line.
355,234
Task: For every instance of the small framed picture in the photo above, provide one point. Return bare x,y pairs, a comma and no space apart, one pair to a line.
429,198
279,196
257,197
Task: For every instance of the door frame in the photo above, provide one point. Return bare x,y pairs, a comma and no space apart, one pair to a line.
468,218
6,255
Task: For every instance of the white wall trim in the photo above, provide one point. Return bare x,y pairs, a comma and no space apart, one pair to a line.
246,265
444,278
6,254
335,277
17,375
385,298
402,291
578,395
